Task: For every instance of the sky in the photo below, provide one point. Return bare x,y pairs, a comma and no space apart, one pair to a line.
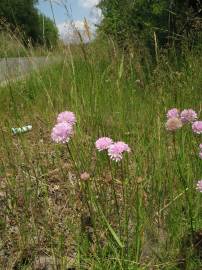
77,10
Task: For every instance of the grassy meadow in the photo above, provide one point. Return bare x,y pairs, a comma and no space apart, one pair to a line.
143,212
12,45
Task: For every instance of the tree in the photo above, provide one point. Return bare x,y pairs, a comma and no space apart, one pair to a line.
48,32
126,20
24,15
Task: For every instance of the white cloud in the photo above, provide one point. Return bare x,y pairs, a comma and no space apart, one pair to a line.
67,26
95,15
89,3
69,31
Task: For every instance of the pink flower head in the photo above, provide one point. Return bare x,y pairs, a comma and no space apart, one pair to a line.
85,176
188,116
103,143
173,113
117,149
68,117
61,132
199,186
200,155
173,124
200,146
197,127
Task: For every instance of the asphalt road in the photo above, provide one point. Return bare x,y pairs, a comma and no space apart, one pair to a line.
14,68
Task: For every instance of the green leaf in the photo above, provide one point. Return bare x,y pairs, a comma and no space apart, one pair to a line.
113,233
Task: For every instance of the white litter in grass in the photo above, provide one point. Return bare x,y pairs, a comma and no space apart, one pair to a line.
21,130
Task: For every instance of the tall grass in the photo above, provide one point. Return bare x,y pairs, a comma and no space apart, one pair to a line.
12,44
136,214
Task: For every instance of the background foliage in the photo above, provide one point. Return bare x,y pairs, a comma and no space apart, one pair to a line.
48,31
24,15
129,20
113,94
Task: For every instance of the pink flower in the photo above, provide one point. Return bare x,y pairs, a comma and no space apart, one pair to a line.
200,155
117,149
85,176
68,117
61,132
197,127
199,186
173,113
103,143
188,116
200,146
173,124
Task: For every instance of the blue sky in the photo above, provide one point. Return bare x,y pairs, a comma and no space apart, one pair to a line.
78,9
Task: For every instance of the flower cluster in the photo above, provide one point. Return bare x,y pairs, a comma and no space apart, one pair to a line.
115,149
63,130
199,186
173,113
176,119
173,124
68,117
173,120
197,127
188,116
103,143
85,176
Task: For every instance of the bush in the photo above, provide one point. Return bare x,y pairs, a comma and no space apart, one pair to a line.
48,32
172,21
35,28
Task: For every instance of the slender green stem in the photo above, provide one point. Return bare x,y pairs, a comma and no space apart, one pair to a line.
115,194
183,181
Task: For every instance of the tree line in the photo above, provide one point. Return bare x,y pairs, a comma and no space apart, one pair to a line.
36,28
172,22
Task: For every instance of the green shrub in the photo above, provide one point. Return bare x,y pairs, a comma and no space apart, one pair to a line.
172,21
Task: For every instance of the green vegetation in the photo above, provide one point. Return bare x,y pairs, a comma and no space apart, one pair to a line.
48,32
9,46
23,16
12,46
141,213
173,21
137,214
